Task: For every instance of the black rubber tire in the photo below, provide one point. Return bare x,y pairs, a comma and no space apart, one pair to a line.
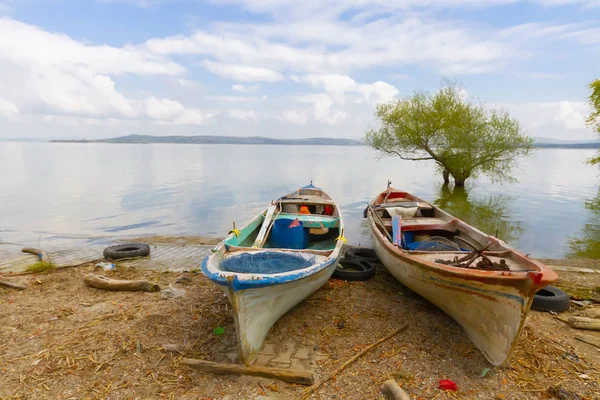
550,298
354,270
129,250
361,253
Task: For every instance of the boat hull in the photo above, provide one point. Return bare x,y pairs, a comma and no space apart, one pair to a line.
492,315
256,310
260,296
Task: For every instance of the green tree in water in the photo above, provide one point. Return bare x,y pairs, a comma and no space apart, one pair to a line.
488,213
593,119
462,138
587,243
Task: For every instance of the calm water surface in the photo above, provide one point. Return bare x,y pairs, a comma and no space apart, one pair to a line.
51,191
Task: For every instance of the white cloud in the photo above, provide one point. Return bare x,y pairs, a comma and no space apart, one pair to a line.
163,109
68,81
311,8
243,115
558,120
245,89
539,75
26,44
334,46
393,35
293,116
323,108
193,117
337,86
242,73
326,47
403,76
7,108
234,99
584,36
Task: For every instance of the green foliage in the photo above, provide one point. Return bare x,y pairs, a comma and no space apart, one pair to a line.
593,119
464,139
586,244
219,331
40,266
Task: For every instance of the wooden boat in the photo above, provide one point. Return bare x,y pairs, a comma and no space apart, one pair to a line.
489,299
261,294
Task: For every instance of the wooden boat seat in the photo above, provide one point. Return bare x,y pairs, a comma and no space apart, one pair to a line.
313,220
407,204
422,224
311,201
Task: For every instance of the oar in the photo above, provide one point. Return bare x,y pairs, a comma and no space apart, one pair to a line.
267,224
379,222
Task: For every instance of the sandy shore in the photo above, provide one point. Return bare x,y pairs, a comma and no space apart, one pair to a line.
61,339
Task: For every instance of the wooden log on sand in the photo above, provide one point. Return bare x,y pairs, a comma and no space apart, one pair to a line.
593,313
12,285
285,375
102,282
589,341
392,391
37,252
585,323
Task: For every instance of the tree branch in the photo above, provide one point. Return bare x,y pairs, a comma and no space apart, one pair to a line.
407,158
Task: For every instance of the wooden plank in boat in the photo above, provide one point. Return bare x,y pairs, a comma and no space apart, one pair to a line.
412,224
313,220
406,204
302,200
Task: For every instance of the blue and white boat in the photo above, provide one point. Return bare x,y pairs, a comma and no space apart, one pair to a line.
276,261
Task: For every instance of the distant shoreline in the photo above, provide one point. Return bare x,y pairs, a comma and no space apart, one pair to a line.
147,139
541,143
582,146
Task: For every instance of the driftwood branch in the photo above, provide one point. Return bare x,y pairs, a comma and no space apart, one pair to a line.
587,341
285,375
591,324
37,252
102,282
594,313
12,285
392,391
312,389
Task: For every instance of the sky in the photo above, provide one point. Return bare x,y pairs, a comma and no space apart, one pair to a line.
286,68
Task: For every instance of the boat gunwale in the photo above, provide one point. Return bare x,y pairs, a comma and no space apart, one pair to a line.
241,281
512,278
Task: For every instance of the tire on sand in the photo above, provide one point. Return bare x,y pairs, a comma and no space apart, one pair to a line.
361,253
353,270
550,298
128,250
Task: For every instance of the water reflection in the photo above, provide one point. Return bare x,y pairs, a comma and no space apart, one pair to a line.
101,190
488,213
586,243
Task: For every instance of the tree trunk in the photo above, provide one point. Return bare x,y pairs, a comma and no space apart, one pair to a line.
446,174
460,178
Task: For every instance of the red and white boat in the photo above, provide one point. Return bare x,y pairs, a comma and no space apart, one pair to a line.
428,250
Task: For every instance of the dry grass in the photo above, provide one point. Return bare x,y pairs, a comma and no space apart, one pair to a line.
61,339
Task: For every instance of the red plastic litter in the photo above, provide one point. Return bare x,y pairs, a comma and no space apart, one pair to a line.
447,384
294,223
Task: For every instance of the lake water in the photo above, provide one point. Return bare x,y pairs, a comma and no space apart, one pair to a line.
49,191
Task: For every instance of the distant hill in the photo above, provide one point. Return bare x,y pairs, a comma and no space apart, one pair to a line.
143,139
542,142
219,140
545,140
